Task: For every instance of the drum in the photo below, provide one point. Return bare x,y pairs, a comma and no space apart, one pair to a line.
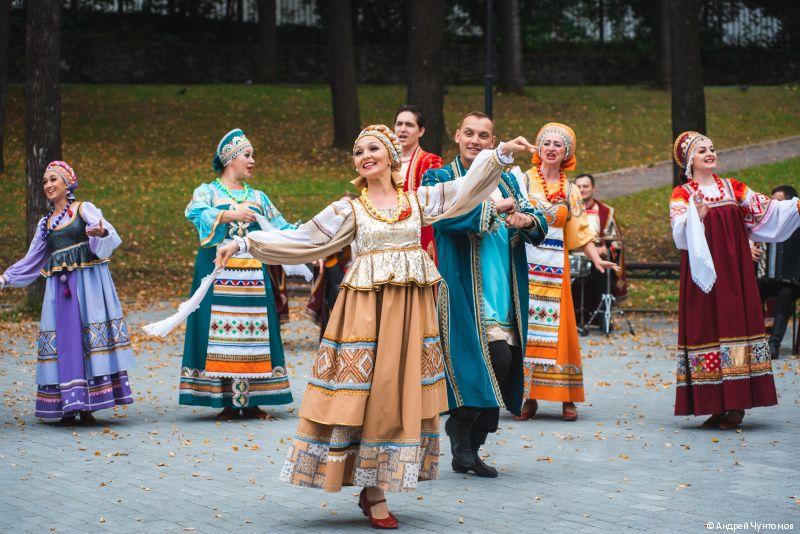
579,266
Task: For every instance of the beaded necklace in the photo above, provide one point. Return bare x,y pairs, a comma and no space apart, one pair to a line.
47,228
693,183
227,191
553,196
403,208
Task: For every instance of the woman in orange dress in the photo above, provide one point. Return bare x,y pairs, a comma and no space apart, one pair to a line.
553,370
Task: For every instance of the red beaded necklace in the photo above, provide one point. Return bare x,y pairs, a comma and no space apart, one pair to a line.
553,196
693,183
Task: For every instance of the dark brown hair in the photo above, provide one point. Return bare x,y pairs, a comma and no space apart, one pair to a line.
420,117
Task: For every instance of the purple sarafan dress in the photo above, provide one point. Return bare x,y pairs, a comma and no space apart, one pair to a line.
83,343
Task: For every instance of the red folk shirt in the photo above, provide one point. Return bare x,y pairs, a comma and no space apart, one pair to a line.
413,170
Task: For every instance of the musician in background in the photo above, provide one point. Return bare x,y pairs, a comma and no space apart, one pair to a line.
609,245
785,290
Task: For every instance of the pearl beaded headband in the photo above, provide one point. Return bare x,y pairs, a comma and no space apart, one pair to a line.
387,138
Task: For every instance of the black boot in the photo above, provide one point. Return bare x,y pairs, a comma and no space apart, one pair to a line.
774,350
482,469
458,428
776,336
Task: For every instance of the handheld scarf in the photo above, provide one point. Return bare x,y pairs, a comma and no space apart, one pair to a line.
165,326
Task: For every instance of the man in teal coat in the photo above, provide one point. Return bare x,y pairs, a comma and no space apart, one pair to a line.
483,305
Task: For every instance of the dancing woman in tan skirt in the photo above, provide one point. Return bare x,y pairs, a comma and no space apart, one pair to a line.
370,414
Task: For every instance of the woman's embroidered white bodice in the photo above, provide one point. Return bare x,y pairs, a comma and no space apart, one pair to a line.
389,253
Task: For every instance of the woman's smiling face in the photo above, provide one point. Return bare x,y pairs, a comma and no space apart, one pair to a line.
371,158
705,156
54,186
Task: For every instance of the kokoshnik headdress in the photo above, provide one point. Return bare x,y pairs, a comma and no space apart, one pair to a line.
684,149
231,145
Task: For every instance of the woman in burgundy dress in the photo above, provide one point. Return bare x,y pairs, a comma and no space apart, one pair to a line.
724,365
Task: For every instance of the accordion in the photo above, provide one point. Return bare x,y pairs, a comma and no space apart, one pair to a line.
781,262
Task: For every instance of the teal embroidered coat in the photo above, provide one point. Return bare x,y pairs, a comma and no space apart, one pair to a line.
472,295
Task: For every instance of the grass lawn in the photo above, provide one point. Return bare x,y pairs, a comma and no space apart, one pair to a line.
139,151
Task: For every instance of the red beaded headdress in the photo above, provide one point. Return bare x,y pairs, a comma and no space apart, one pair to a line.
684,148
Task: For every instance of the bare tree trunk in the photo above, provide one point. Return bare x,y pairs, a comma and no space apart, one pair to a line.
239,10
688,96
662,30
120,7
5,38
267,49
344,86
425,73
42,111
512,78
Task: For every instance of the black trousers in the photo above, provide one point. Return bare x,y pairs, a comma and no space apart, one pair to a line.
787,296
505,359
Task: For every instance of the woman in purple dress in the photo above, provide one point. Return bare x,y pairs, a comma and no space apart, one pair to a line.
83,343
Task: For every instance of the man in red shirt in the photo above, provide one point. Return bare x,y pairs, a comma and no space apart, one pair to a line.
409,126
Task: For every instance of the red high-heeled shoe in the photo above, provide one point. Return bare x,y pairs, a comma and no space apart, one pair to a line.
366,505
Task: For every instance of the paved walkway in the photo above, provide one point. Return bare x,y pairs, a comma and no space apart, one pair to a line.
633,179
626,465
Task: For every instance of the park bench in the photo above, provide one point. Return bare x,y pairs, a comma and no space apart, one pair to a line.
653,271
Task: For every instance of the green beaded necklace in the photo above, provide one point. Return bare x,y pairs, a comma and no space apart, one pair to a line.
228,192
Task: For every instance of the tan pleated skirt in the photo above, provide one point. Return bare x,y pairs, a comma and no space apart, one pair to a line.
370,414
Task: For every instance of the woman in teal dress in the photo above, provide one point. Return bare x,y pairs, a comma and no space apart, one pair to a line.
233,355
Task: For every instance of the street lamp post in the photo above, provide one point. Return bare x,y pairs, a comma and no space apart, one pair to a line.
489,77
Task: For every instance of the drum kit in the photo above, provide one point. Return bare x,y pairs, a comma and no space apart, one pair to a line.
580,268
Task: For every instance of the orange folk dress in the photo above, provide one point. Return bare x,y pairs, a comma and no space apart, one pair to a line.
553,370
